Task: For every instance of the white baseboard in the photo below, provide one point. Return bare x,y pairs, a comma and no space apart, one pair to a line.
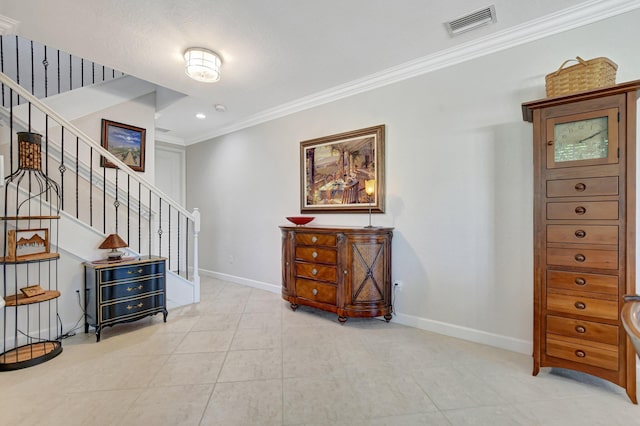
452,330
272,288
465,333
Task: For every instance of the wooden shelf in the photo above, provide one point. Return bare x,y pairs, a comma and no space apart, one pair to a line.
21,299
28,217
29,355
31,258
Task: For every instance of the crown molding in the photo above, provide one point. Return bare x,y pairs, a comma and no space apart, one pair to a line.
7,25
558,22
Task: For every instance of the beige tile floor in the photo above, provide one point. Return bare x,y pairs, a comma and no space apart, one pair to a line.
242,357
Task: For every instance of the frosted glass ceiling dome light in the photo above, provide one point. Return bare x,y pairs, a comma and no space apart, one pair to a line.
202,64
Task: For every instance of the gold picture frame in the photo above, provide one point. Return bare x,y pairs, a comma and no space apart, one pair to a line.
334,169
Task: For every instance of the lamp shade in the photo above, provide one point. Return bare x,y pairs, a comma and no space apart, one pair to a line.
370,186
113,241
202,64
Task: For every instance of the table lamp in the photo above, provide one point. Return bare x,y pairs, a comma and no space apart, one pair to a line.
113,242
370,189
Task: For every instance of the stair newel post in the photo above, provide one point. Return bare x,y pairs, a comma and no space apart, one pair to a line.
196,275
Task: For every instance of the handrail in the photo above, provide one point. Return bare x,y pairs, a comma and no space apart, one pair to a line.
4,79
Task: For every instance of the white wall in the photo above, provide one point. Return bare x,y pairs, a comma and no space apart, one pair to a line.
459,184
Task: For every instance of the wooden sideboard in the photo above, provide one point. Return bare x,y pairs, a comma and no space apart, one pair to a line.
117,292
338,269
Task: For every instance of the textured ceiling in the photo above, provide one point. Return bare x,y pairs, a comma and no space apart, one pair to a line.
277,55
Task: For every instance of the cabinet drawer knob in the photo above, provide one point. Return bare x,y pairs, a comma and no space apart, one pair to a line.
580,305
580,210
580,329
550,143
314,291
314,254
580,233
314,271
580,281
580,354
314,239
139,271
580,257
580,187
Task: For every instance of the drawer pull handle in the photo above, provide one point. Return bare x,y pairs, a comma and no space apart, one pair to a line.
134,288
314,272
314,254
346,272
580,210
314,291
580,233
550,143
580,329
580,281
580,305
139,271
139,305
580,257
580,354
314,239
580,187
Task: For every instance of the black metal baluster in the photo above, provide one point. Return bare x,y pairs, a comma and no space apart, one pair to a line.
62,168
33,77
10,131
139,217
17,67
58,65
178,248
169,238
81,72
70,74
2,66
128,208
46,73
93,72
159,226
46,158
104,199
116,203
77,177
186,249
91,186
149,221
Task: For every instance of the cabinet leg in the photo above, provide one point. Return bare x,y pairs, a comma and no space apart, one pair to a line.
97,334
165,313
342,319
86,328
294,306
388,317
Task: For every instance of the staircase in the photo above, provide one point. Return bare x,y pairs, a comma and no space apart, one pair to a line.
97,200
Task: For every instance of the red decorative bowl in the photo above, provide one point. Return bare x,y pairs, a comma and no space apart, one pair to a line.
300,220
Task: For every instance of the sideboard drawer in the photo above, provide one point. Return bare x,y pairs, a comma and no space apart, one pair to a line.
598,355
312,290
583,210
315,271
316,239
110,292
580,305
584,187
130,308
317,254
579,281
583,258
582,234
130,272
580,329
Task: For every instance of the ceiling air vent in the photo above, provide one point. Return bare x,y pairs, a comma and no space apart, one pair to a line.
472,21
161,130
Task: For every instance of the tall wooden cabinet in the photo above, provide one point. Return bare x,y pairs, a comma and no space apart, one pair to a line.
342,270
584,231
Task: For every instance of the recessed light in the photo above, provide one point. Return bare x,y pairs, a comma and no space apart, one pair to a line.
201,116
220,107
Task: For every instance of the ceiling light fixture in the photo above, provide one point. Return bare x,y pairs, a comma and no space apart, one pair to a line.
201,116
202,64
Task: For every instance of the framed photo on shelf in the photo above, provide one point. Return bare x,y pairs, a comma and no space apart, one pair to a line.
124,141
25,243
343,172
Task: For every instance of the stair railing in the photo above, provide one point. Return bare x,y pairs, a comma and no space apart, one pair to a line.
107,199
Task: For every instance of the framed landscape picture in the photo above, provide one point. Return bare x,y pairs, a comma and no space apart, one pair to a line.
25,243
343,172
126,142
